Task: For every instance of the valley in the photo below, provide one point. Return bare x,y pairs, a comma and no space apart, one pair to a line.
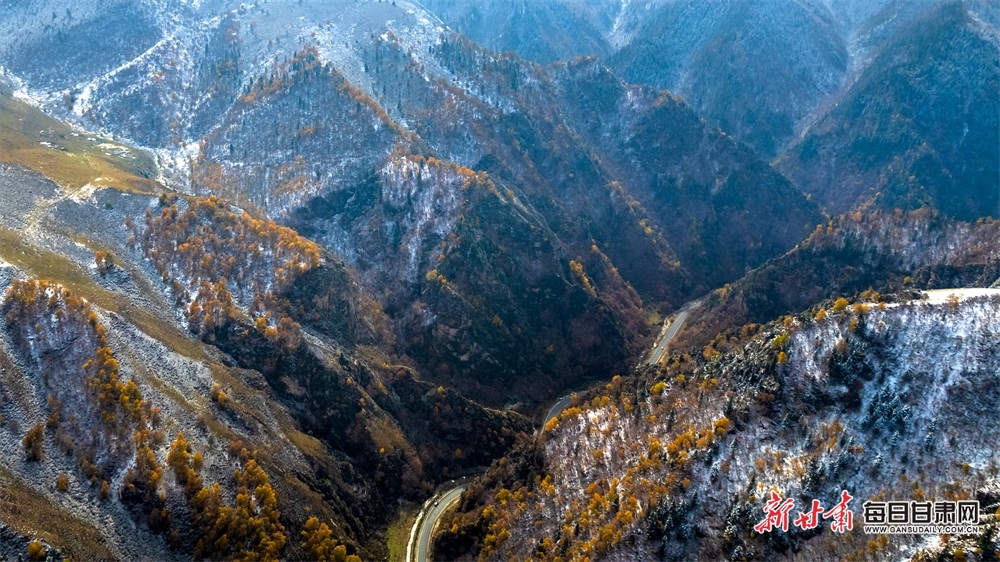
453,280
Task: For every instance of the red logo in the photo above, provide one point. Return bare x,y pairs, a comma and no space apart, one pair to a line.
776,514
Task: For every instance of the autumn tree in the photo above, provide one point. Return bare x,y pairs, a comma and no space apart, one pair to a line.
36,550
33,442
104,261
318,540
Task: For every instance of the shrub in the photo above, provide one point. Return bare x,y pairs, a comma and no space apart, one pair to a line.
722,425
217,394
62,482
32,443
36,551
104,261
840,304
780,342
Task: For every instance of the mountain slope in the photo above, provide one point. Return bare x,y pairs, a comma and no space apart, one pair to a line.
359,124
854,99
870,251
678,463
135,317
708,195
514,26
754,69
918,127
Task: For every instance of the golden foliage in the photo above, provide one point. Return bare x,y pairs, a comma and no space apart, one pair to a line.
781,341
576,267
32,443
103,260
318,541
36,551
249,529
222,256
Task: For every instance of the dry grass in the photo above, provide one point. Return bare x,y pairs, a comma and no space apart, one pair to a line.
32,514
71,161
304,442
49,265
398,534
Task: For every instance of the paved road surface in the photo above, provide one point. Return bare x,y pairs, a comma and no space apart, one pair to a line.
438,507
556,409
940,296
668,335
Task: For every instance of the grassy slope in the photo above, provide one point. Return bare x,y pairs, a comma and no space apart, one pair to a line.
72,159
31,513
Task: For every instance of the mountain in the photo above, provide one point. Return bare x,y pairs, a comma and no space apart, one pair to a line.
457,234
154,342
755,69
852,100
917,128
274,275
678,462
864,252
570,30
412,154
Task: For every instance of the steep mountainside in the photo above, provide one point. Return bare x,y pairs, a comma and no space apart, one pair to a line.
678,463
570,30
919,126
870,251
755,69
855,99
274,274
151,344
712,215
412,154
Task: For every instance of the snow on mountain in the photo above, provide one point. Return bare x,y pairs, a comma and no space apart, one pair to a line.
889,402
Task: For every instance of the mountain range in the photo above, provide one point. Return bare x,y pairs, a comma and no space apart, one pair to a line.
353,249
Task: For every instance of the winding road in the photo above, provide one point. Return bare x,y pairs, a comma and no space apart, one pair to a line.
556,409
422,531
418,547
669,332
437,504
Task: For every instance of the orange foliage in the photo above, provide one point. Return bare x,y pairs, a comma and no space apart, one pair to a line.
222,257
116,406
